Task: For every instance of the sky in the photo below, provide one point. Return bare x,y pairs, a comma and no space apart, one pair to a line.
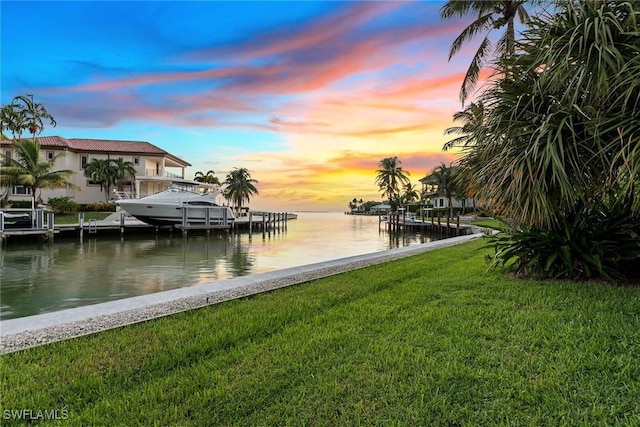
308,96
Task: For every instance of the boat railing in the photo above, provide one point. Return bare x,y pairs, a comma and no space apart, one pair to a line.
123,195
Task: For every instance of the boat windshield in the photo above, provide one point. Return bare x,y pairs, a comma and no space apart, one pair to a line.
182,187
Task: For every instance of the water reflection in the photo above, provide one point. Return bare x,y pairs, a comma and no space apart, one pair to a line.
37,278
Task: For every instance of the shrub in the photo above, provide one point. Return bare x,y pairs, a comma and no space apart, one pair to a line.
594,241
62,204
100,207
19,204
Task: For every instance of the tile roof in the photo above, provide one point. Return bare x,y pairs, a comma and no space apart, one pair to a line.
53,141
45,141
114,146
102,146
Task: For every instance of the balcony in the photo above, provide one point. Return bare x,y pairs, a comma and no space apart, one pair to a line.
153,172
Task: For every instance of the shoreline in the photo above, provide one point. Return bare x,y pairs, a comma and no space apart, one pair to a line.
26,332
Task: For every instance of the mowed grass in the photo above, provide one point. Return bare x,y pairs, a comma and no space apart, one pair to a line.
432,339
493,223
72,218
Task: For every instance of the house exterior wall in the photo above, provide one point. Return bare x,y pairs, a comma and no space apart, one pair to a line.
443,202
146,165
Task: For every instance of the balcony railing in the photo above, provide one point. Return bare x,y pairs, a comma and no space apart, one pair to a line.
153,172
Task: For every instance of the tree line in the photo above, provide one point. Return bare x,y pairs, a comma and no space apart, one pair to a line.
395,185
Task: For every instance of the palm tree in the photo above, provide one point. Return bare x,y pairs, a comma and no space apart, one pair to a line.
239,187
410,194
472,118
353,204
123,170
490,15
23,113
102,171
444,177
31,114
26,169
390,176
10,120
562,132
208,178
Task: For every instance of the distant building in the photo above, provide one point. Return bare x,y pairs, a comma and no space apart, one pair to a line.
438,200
380,209
155,168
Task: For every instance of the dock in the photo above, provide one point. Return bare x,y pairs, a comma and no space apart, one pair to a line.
435,224
121,223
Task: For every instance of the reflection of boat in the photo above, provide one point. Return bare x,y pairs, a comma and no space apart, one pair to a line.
167,207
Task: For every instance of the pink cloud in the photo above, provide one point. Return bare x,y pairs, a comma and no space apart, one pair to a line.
305,62
325,30
304,59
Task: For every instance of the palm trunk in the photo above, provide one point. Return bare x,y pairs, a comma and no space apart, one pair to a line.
511,36
33,207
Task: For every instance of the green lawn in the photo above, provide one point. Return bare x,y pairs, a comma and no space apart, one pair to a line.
493,223
432,339
72,218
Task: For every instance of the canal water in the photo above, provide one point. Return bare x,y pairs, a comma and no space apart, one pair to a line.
44,277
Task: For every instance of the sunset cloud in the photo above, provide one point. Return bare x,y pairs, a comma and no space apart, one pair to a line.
309,99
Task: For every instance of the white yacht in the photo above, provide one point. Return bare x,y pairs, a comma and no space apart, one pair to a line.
179,204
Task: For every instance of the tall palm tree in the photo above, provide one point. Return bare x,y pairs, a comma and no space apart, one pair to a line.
26,169
239,187
444,177
390,177
208,178
23,113
489,15
31,114
123,170
103,172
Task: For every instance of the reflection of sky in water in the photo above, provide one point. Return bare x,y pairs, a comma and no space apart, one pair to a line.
38,278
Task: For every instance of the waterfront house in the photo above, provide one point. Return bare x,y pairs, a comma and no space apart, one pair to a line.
155,168
380,209
438,200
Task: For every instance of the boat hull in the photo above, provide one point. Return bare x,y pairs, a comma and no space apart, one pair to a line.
170,214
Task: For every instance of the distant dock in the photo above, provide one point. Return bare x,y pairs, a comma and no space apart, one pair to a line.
438,225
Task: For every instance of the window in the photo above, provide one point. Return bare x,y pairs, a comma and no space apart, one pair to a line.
49,155
20,190
93,183
136,161
441,203
83,162
7,154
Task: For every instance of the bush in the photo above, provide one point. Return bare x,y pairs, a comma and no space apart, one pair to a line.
594,241
19,204
60,205
100,207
